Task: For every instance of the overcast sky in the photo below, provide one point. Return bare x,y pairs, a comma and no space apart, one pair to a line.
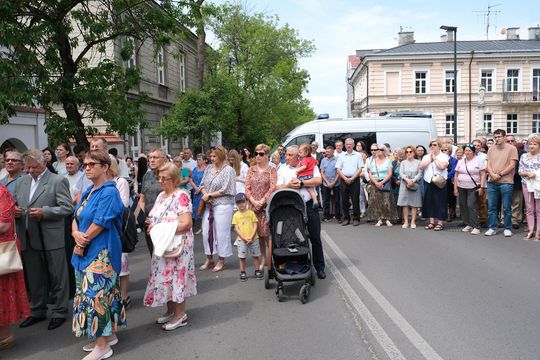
339,27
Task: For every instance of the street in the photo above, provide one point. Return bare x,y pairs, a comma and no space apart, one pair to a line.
391,293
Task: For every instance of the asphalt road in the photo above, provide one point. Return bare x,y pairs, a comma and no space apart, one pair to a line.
391,293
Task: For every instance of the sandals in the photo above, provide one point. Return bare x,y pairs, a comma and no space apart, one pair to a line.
529,236
438,227
7,343
430,226
219,266
207,265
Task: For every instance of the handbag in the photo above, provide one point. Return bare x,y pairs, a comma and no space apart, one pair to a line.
200,209
165,232
387,186
438,180
10,260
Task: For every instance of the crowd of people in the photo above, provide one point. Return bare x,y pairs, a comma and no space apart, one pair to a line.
494,182
65,208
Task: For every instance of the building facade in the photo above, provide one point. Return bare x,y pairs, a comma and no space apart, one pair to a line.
497,83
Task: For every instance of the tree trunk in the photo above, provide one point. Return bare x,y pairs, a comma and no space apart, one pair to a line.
201,44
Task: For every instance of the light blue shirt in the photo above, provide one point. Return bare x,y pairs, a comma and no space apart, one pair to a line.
349,163
329,168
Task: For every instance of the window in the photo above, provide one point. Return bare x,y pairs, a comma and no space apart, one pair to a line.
450,81
392,83
160,66
449,125
486,79
129,45
420,83
536,123
512,80
488,123
299,140
135,143
367,137
182,72
511,123
536,84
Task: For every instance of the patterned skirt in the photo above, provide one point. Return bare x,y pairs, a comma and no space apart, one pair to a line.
382,205
97,306
13,299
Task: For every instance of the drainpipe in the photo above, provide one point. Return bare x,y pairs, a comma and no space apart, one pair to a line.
470,96
349,81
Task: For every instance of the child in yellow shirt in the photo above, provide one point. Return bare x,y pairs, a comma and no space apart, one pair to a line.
245,226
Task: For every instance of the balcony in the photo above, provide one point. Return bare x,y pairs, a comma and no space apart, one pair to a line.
523,97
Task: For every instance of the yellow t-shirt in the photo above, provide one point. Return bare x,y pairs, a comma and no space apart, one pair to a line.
246,221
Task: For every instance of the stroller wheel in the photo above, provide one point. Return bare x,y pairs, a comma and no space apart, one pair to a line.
313,277
280,294
304,293
266,278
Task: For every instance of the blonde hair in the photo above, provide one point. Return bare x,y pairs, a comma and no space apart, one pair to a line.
236,160
305,147
172,170
436,141
263,147
113,168
534,138
220,152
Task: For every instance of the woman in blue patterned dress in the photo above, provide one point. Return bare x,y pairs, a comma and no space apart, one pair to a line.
97,306
196,178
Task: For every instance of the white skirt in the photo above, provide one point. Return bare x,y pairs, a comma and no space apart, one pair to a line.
222,230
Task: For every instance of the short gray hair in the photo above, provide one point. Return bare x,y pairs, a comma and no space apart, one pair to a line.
294,148
34,154
17,154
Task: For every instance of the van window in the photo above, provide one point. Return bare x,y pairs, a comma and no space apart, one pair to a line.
299,140
367,138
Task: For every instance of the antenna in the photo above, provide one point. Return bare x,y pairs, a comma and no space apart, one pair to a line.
486,14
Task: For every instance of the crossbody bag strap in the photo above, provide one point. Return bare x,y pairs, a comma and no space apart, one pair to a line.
475,184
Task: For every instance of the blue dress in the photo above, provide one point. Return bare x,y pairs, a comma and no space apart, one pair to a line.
197,178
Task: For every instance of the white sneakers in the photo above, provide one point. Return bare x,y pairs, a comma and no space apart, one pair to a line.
388,223
490,232
379,223
467,228
475,231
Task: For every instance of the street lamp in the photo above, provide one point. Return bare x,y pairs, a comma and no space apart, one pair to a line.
454,30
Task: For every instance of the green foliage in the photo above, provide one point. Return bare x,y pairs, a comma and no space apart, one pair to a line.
45,47
254,91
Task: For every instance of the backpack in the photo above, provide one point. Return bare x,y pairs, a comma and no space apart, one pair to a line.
128,233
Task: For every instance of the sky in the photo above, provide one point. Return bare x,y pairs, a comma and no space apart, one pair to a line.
339,27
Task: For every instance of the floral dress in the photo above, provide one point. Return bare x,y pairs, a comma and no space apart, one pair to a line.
171,279
260,185
13,299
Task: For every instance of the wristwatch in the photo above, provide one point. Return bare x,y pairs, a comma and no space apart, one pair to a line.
209,196
301,183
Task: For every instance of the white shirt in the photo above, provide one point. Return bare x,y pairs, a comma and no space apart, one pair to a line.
35,183
73,180
241,185
433,169
482,156
286,173
123,169
190,164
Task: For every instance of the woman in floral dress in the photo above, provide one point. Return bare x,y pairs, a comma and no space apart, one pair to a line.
172,280
260,184
13,299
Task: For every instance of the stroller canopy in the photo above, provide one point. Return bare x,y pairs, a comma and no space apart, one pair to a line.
286,197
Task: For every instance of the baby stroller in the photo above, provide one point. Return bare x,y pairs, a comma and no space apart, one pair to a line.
291,254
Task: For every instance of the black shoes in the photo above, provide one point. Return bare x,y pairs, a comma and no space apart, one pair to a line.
56,322
321,274
29,321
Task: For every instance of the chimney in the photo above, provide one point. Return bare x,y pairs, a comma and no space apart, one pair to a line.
512,33
534,33
405,38
449,36
444,38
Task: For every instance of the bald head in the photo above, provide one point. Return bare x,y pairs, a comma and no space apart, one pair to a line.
72,165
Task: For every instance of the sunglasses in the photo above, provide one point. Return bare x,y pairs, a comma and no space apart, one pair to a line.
432,145
444,149
260,153
90,165
12,160
410,152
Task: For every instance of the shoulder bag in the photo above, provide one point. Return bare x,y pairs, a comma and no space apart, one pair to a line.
387,186
202,203
438,179
177,240
10,259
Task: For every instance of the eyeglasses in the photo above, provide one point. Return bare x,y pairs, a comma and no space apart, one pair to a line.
261,153
90,165
374,149
163,178
12,160
432,145
410,152
510,141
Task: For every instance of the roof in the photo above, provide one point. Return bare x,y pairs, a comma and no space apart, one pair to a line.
446,47
111,138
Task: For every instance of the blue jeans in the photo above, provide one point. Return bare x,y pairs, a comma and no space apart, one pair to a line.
495,192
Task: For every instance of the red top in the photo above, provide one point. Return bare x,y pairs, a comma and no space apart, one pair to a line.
309,162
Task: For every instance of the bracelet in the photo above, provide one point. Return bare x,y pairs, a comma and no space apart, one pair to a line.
79,246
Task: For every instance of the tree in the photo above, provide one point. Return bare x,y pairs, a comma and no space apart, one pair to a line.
253,92
45,47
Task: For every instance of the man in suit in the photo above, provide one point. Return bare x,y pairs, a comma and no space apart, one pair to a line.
43,202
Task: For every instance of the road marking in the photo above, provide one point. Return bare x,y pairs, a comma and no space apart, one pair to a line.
414,337
376,329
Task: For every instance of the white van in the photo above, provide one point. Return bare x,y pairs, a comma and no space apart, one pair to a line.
396,131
